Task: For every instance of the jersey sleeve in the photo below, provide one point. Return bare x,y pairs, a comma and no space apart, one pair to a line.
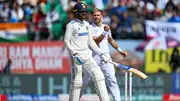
92,43
93,31
67,38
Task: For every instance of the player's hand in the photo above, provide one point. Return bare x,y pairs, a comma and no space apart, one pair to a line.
103,58
123,53
106,30
77,59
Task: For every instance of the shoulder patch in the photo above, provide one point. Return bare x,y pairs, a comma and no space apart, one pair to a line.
72,22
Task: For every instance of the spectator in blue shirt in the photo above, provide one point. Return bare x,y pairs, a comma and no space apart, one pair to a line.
175,17
119,9
124,27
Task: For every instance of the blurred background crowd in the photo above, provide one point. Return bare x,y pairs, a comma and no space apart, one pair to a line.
46,19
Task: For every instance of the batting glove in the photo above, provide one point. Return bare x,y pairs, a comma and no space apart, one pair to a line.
103,58
77,59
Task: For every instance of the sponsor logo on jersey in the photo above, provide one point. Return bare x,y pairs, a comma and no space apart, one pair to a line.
83,34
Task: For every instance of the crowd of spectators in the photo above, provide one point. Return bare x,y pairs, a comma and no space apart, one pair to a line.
46,19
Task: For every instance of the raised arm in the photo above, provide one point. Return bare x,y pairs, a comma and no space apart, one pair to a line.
101,37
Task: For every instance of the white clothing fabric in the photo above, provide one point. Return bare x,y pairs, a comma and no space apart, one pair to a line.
78,39
97,31
107,68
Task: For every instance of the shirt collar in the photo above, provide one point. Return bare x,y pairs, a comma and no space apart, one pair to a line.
77,20
94,25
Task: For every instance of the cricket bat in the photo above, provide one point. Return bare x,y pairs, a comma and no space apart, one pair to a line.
130,69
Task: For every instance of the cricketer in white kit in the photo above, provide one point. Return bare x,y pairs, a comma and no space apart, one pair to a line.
78,39
102,35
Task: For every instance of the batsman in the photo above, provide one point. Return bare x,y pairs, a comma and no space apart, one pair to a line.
78,40
102,36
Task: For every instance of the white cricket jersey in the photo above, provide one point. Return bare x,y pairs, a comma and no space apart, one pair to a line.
78,38
96,32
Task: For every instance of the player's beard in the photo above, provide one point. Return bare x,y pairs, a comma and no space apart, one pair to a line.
98,22
82,16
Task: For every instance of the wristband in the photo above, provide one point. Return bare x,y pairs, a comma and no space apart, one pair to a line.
104,33
119,49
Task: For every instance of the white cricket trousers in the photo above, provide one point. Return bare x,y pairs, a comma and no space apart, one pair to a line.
95,73
109,73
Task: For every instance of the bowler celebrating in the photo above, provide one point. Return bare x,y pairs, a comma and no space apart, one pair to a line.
102,36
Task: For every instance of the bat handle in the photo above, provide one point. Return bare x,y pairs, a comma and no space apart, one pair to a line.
112,62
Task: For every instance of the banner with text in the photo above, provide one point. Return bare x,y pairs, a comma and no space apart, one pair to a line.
35,57
155,28
158,60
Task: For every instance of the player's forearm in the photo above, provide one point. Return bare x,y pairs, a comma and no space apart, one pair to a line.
93,45
113,44
98,39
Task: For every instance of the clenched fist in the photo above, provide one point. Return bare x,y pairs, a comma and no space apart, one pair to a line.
106,28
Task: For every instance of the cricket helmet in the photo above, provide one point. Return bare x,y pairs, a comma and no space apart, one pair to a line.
79,7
